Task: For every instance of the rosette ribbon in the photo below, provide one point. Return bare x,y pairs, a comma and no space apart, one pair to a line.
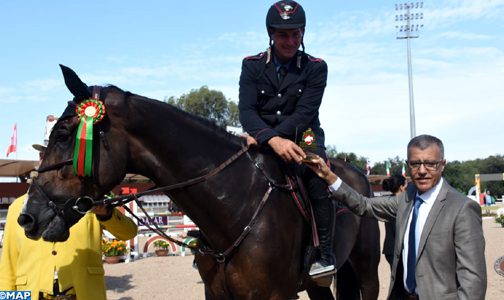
89,112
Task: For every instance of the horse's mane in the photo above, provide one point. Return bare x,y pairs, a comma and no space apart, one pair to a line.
208,124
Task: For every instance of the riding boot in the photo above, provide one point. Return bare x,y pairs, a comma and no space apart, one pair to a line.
325,220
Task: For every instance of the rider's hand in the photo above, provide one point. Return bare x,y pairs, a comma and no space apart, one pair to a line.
320,167
287,149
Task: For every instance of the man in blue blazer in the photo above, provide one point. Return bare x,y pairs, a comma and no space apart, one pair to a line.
439,251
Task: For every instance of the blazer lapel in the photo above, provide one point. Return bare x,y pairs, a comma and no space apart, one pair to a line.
438,205
405,212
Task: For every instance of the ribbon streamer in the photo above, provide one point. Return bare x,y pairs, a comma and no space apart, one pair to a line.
89,112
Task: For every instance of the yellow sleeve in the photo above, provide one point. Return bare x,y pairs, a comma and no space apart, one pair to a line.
10,252
121,226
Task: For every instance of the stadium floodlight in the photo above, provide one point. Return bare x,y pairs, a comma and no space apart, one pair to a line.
409,19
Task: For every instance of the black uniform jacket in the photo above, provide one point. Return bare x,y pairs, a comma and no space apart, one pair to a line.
269,108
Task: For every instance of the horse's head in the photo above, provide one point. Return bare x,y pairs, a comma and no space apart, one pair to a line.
83,161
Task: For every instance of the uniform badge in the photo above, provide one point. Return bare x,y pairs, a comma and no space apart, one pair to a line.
286,10
499,266
286,13
308,143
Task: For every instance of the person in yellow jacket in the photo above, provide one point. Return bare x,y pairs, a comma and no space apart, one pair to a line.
28,265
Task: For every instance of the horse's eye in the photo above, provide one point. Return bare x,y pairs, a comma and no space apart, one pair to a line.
61,136
62,131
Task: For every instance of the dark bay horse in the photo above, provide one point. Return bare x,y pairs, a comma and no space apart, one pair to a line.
256,237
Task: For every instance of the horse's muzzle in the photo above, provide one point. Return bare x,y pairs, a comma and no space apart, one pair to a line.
26,221
29,224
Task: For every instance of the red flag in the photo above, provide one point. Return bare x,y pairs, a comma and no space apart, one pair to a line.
13,144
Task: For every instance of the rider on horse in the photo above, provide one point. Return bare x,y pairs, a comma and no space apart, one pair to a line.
281,91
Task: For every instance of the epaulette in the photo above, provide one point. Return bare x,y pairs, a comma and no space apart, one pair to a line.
314,59
255,57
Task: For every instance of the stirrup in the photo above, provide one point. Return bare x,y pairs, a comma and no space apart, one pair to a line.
319,270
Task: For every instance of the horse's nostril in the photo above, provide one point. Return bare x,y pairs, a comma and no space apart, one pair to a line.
26,221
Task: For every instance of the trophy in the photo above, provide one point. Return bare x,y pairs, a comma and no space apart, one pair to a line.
309,144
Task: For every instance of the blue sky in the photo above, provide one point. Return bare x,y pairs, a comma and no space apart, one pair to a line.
166,48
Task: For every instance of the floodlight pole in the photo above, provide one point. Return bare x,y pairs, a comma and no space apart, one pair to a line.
410,88
404,32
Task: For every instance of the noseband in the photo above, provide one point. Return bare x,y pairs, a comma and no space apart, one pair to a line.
81,204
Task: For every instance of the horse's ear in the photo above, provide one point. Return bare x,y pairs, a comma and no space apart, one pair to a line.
78,88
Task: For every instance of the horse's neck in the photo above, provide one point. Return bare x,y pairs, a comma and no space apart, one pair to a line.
170,145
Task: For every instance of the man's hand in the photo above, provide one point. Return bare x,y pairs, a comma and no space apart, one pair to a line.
287,149
320,167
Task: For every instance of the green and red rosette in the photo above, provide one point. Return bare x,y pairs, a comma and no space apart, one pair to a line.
89,112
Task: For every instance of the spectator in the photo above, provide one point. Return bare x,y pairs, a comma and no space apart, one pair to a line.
488,198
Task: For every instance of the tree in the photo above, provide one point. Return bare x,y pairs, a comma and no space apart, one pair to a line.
210,104
234,114
460,175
